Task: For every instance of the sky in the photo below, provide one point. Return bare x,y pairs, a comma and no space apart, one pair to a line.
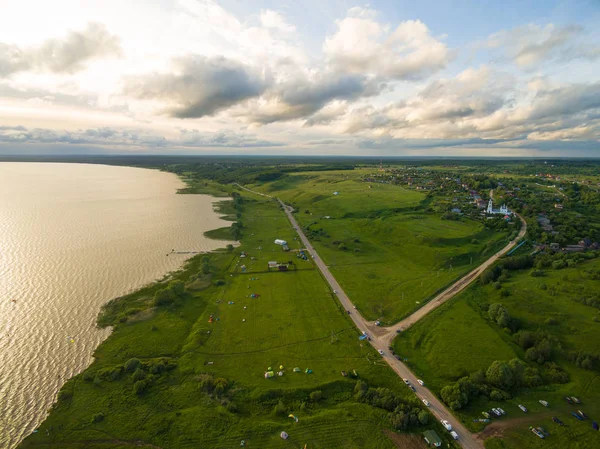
336,77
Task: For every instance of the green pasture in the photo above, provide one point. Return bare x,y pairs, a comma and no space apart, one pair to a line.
295,321
396,255
456,340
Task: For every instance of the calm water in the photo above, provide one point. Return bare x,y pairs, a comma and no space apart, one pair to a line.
72,237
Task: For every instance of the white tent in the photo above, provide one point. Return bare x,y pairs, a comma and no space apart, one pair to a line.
284,435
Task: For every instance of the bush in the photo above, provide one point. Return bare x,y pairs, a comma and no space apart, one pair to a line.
140,386
342,246
132,364
64,395
280,409
229,248
98,417
139,374
219,283
316,396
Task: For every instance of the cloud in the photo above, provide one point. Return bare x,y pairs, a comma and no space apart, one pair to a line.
113,137
199,86
67,55
529,45
274,20
303,96
568,100
363,45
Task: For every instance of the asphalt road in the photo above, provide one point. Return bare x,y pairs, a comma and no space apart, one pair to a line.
381,337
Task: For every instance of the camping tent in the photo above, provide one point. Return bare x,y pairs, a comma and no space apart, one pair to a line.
284,435
269,374
280,242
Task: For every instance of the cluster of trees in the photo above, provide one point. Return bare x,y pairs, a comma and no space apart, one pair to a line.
499,381
402,415
142,374
166,296
537,345
585,360
500,270
498,313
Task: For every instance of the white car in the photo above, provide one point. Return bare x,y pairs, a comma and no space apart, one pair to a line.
426,402
501,411
380,351
406,381
446,424
335,291
420,382
496,412
544,403
522,407
454,435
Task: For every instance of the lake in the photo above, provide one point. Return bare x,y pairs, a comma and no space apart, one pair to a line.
72,237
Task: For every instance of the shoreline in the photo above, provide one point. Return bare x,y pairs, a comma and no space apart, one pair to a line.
98,325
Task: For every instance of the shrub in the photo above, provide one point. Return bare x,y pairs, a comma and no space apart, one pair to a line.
280,409
219,283
132,364
316,396
98,417
64,395
140,386
139,374
229,248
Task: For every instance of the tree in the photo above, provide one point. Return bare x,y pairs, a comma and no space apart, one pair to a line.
140,386
229,248
177,287
500,374
280,409
423,417
162,297
205,268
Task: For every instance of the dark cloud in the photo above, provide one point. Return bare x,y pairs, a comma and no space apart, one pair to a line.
199,86
66,55
569,100
303,97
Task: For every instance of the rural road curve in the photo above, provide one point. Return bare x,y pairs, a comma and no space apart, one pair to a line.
382,338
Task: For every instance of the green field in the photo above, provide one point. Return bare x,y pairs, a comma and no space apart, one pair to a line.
396,254
457,340
205,384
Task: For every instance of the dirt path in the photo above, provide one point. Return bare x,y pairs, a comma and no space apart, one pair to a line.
497,428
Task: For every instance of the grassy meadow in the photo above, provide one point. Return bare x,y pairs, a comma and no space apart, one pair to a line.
387,251
197,382
457,340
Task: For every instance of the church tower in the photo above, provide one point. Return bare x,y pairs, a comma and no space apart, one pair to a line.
490,208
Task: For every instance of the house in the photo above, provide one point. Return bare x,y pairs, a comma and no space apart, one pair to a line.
481,204
558,206
456,210
432,438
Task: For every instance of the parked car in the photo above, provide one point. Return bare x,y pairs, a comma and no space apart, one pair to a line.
537,432
577,416
544,403
583,415
558,421
420,382
454,435
522,407
568,399
412,388
486,414
575,400
380,351
426,402
594,425
446,424
501,411
496,412
398,357
406,381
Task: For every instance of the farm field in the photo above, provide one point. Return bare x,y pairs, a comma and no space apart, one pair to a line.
457,339
387,251
201,361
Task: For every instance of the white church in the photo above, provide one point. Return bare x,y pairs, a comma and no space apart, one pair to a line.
503,209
